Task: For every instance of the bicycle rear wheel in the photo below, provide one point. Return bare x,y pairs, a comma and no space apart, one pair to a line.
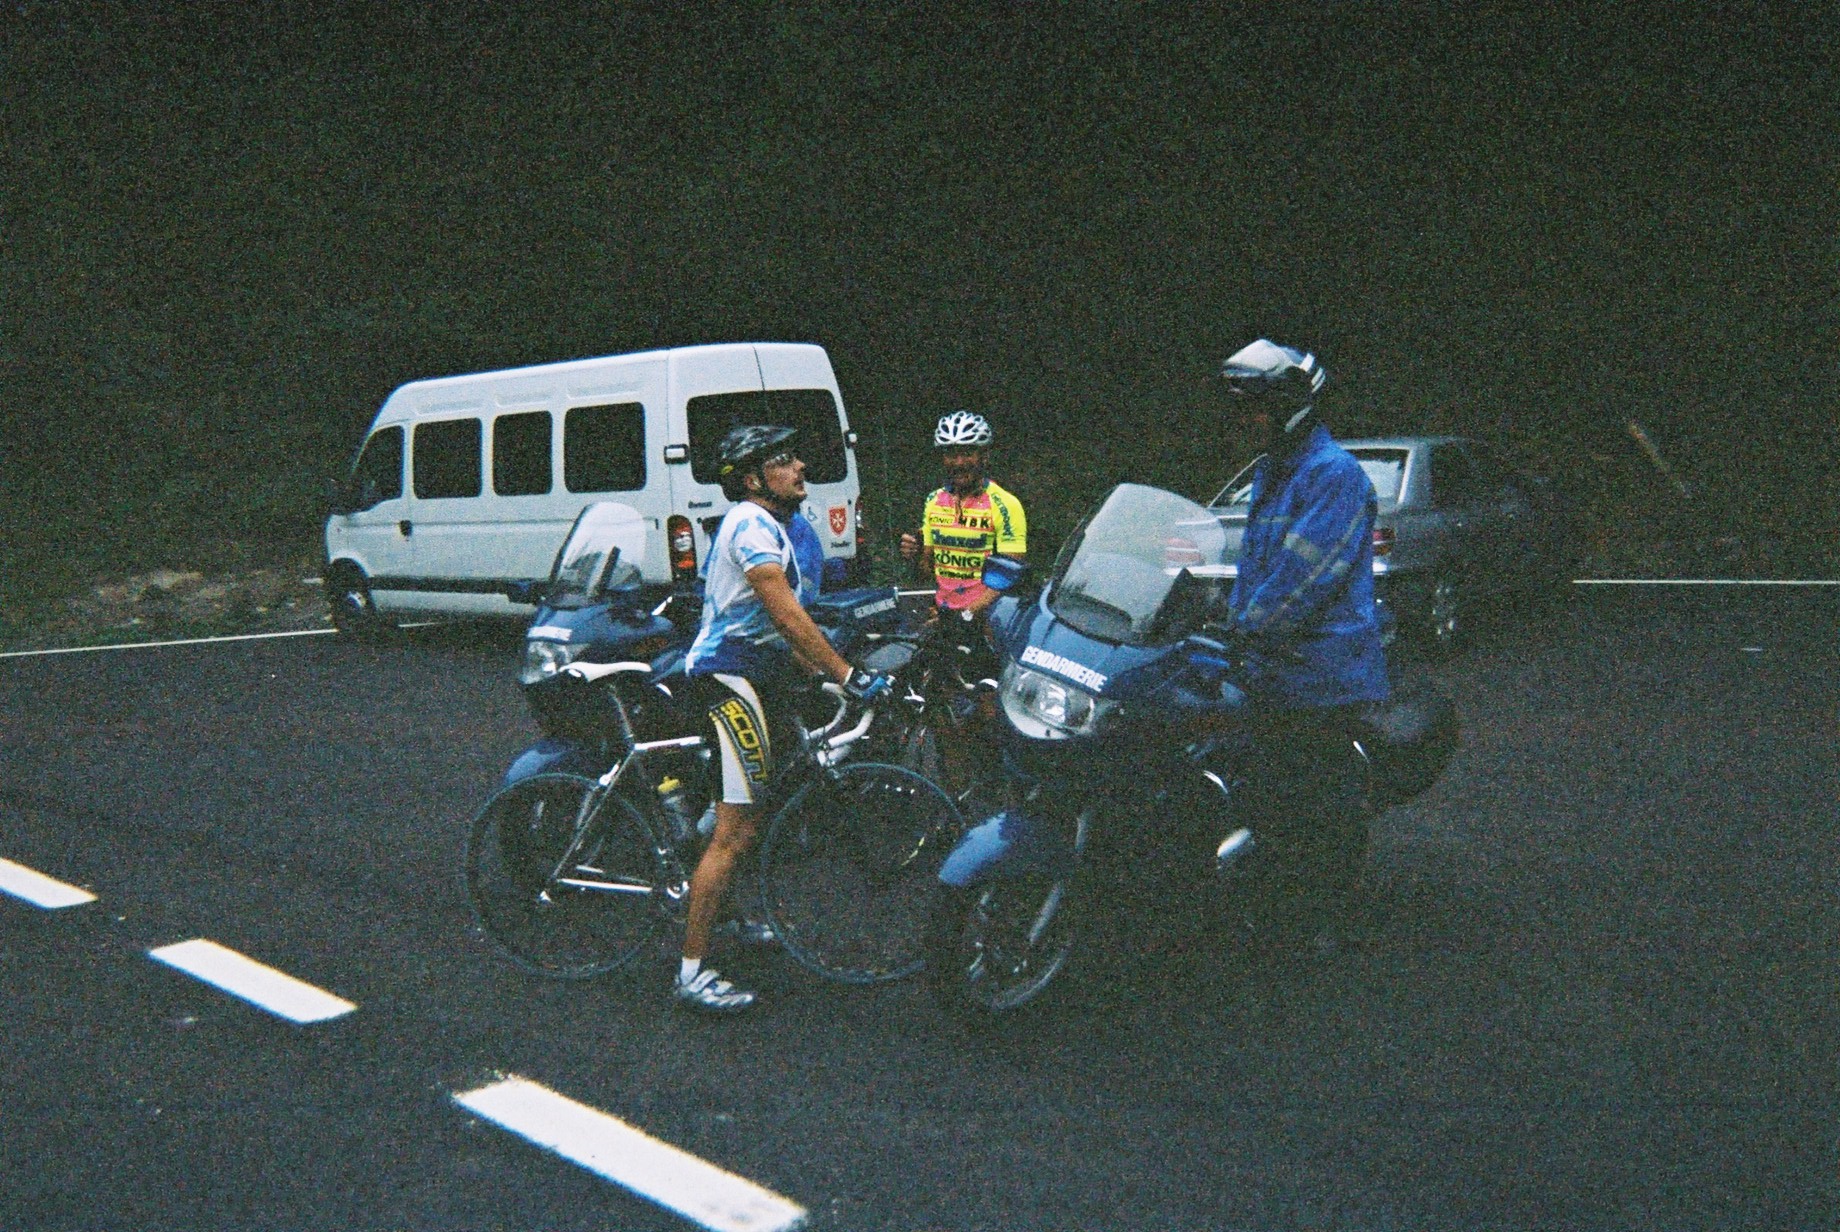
578,921
847,866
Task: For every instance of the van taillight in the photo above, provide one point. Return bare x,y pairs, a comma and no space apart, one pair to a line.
1383,540
862,522
682,543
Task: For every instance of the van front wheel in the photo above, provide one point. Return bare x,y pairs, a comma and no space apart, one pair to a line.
353,613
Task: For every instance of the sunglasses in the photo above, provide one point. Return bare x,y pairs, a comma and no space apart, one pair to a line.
785,457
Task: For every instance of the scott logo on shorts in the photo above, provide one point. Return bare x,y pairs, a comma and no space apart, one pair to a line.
748,742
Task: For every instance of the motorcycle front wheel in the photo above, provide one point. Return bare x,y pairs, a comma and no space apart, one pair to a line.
994,948
574,920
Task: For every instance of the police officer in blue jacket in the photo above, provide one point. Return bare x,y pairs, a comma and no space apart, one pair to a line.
1301,614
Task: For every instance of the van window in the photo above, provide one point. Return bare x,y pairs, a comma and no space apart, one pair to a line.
603,448
812,411
378,471
446,459
520,454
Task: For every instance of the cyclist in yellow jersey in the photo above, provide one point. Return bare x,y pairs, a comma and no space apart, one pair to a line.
966,521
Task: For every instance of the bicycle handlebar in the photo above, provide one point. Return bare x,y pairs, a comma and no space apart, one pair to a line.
830,739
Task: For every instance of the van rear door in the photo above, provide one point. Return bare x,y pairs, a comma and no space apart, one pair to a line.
712,388
802,392
799,391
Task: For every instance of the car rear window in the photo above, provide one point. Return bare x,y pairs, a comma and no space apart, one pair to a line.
1385,468
812,411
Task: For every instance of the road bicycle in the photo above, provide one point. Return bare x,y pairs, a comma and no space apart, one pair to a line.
575,876
940,723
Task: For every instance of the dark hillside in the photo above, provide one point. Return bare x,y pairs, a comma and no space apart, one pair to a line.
228,233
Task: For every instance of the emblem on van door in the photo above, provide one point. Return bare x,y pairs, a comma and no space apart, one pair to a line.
840,518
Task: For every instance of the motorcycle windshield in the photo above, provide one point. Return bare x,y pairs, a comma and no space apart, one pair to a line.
589,563
1145,568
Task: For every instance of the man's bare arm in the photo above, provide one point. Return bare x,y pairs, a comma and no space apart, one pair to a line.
795,623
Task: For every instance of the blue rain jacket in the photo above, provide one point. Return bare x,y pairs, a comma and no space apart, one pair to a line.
1304,600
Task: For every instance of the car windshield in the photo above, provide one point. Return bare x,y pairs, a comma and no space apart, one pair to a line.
1385,468
589,563
1145,568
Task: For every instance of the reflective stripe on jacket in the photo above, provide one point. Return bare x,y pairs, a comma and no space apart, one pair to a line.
1304,599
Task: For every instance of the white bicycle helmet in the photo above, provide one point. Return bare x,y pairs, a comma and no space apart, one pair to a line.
960,430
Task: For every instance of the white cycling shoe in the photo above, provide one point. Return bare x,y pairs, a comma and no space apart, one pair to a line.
709,993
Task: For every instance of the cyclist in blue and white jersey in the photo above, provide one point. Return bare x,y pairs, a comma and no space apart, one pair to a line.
764,565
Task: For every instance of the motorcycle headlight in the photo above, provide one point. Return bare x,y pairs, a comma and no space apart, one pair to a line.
1048,709
543,660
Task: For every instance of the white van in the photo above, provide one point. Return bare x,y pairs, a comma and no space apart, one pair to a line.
467,484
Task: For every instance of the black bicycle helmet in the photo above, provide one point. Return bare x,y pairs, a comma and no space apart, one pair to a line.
744,448
1288,378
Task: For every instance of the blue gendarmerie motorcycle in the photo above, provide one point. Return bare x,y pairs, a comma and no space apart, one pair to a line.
594,610
1120,718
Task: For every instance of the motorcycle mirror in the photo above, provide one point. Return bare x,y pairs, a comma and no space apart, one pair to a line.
1003,572
626,596
1207,652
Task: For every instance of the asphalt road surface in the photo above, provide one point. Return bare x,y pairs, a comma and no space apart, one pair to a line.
1592,986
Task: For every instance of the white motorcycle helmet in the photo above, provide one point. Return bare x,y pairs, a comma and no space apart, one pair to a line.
1289,378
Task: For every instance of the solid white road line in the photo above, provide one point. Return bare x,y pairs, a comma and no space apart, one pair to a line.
188,641
275,991
38,889
200,641
1705,582
603,1144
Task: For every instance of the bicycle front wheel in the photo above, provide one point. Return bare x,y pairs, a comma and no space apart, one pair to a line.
573,918
847,866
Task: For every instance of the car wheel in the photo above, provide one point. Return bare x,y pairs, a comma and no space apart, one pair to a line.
1445,616
348,596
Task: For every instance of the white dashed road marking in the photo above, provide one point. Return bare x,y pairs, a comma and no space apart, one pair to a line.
275,991
608,1146
38,889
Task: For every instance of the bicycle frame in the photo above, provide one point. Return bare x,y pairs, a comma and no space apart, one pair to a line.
821,748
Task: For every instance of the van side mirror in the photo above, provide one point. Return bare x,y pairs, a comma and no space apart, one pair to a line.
1001,573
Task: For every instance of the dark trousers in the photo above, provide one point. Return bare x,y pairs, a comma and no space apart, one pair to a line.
1306,799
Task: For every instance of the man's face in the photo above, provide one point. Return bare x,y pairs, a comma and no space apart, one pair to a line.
782,478
1252,413
964,467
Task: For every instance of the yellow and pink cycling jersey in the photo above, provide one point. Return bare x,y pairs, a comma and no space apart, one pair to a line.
962,531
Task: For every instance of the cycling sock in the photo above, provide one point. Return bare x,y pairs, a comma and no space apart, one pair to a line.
687,969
